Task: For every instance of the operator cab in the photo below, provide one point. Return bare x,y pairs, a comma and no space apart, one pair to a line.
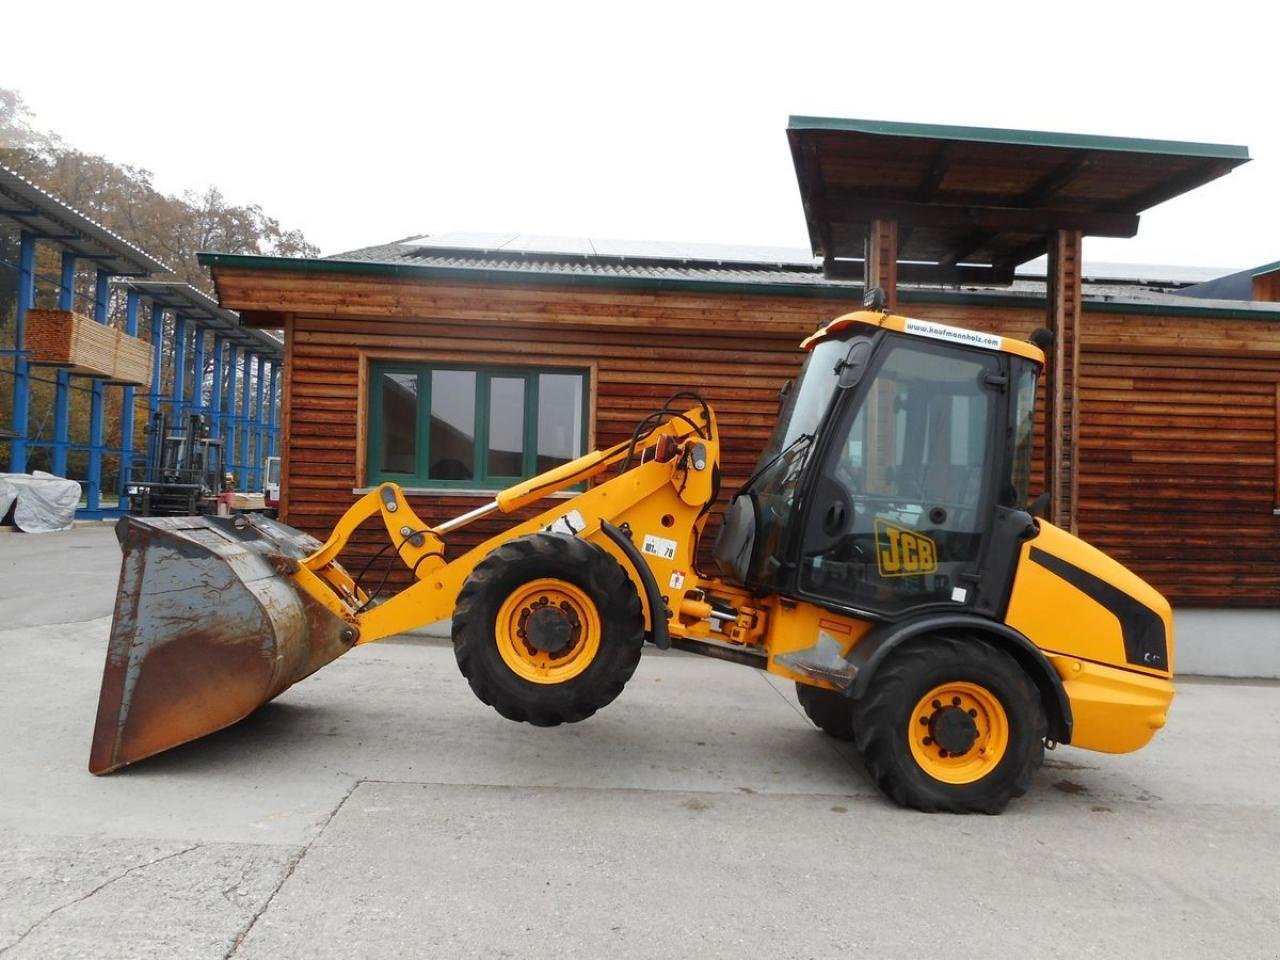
897,475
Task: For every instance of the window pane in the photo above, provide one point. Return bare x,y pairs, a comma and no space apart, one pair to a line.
453,424
506,426
399,422
559,419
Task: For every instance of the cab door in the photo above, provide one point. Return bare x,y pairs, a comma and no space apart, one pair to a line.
903,493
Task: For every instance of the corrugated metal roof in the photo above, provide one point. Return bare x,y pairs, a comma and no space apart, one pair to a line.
391,260
44,214
1149,274
186,300
607,248
528,259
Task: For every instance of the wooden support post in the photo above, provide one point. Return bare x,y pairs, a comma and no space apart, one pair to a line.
1062,411
880,268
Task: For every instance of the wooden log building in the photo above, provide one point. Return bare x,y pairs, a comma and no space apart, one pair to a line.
457,364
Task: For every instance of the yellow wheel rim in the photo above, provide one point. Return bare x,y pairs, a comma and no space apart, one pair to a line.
958,732
548,631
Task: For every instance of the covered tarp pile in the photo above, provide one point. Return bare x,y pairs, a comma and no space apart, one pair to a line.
41,502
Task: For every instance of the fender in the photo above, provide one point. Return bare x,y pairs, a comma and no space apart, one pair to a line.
658,611
880,641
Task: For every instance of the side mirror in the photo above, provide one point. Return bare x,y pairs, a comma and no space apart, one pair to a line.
854,365
784,392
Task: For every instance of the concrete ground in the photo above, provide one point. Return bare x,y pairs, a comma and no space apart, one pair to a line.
379,810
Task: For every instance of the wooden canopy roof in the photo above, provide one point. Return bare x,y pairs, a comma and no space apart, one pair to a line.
972,203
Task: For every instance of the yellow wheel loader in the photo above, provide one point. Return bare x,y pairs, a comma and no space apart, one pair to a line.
883,557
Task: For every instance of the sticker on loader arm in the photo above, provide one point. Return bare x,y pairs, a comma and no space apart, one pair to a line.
571,523
659,547
903,553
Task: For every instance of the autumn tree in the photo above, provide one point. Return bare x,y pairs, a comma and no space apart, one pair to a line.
124,199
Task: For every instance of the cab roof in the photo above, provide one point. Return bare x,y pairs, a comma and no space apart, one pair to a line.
927,329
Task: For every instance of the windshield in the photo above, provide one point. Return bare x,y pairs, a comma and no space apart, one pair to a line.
808,399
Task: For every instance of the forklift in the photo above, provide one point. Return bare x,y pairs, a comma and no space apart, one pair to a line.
183,475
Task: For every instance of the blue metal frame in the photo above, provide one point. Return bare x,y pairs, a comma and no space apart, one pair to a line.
273,429
242,480
254,416
197,369
178,399
93,485
62,390
259,389
229,420
157,360
215,388
21,366
127,397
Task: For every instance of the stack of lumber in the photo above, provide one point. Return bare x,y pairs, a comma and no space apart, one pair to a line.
61,338
248,501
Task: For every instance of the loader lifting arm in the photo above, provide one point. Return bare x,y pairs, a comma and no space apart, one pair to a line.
285,604
671,486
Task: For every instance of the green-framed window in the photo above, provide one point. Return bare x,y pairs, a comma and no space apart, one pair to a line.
449,425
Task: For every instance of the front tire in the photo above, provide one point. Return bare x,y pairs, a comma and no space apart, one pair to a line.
951,724
548,629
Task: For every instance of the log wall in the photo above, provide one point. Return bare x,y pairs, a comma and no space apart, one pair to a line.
1177,419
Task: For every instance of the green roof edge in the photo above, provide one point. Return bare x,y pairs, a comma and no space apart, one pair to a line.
1035,138
1265,269
419,271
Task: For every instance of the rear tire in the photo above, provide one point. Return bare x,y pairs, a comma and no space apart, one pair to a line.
831,712
548,629
945,691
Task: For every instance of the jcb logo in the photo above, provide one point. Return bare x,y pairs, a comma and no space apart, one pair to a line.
903,553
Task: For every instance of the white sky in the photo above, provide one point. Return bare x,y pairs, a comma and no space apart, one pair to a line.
367,122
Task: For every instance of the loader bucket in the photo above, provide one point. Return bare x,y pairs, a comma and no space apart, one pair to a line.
208,626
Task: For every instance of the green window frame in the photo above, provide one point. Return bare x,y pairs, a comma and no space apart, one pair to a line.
428,378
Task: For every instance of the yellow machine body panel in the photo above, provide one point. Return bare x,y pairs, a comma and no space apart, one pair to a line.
1114,710
927,329
1107,632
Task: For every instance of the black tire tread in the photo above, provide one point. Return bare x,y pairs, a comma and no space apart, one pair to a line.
600,575
831,712
875,733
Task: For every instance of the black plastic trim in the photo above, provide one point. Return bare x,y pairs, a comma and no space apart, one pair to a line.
1145,643
658,614
874,648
